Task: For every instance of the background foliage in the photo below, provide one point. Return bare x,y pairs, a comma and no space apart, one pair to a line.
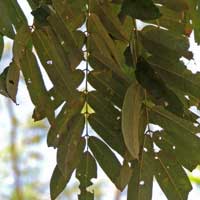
130,78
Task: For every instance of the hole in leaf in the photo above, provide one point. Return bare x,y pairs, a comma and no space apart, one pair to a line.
11,81
142,182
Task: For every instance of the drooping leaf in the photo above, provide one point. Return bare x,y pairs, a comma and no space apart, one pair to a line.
131,111
86,170
104,155
140,9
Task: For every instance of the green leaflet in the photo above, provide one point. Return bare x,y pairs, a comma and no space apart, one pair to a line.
11,14
86,170
106,158
183,147
57,130
111,134
171,177
168,44
95,25
195,16
5,21
36,87
131,111
71,145
157,88
67,40
176,75
178,5
124,176
110,20
140,9
53,59
170,122
141,183
112,89
57,184
21,42
72,12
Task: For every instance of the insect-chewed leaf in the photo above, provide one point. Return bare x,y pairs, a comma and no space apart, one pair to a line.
106,159
57,130
131,111
57,183
141,183
12,80
140,9
71,146
86,170
171,177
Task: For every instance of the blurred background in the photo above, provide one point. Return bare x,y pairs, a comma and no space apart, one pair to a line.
26,163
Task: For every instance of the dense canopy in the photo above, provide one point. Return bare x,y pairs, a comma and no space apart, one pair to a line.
116,67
